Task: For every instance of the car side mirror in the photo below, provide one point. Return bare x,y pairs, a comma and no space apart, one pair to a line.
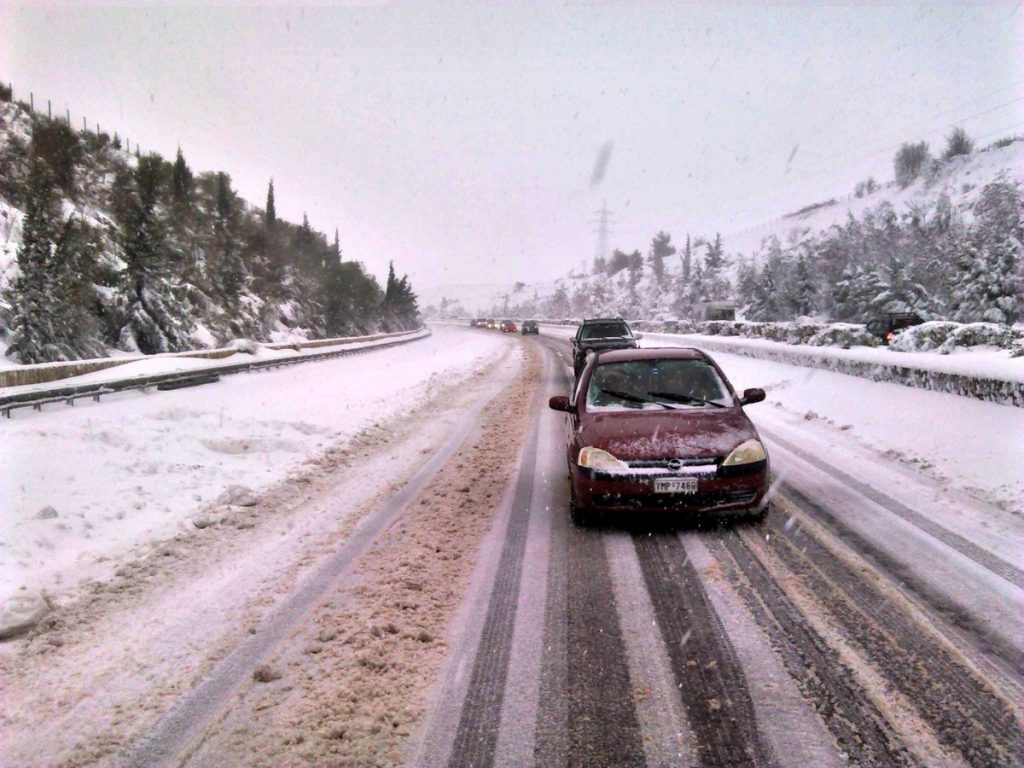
638,336
559,403
752,396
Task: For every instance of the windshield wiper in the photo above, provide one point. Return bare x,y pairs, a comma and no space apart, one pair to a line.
685,398
632,398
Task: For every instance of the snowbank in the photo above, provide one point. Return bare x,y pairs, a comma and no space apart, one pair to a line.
985,375
983,367
15,378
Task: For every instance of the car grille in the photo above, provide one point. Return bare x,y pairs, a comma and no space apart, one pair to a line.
711,462
675,500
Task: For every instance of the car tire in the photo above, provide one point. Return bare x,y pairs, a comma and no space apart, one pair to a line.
579,515
759,514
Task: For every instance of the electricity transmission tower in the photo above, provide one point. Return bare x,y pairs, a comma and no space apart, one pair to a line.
604,228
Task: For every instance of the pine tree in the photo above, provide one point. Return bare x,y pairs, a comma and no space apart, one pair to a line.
618,262
636,270
155,319
270,214
181,183
766,305
32,330
990,264
687,259
336,249
73,300
857,292
716,285
661,249
230,272
804,292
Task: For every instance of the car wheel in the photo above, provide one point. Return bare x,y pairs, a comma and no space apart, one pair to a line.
579,515
759,514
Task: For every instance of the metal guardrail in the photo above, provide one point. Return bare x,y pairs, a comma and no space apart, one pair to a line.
68,395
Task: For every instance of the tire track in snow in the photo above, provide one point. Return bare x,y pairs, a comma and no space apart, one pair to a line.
965,714
965,547
477,734
175,731
707,671
859,729
603,726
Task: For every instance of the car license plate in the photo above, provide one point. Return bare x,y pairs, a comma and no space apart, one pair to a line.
675,485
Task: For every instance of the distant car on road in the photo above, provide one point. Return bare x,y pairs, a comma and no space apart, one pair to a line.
886,327
598,334
529,326
490,323
508,326
661,430
474,323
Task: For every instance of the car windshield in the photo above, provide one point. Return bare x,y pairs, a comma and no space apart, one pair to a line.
659,383
604,331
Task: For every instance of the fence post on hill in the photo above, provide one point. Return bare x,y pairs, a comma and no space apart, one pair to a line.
49,110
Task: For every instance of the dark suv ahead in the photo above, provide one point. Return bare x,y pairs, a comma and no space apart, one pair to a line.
885,327
529,326
599,334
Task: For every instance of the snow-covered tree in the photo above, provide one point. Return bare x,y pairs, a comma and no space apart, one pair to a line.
661,249
990,264
910,161
803,291
33,335
156,319
958,143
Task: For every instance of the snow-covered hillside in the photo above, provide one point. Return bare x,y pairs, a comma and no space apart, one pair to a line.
104,251
960,178
949,189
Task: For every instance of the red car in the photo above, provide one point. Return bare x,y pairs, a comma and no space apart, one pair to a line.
508,327
661,429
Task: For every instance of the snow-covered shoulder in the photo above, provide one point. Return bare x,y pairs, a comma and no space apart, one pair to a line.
83,488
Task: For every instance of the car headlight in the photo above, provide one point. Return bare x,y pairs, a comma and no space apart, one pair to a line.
595,458
746,452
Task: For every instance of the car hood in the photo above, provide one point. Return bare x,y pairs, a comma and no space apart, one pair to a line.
682,433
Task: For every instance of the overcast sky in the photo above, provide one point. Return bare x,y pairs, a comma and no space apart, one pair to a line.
461,141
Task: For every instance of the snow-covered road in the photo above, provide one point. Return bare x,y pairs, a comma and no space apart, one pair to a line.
874,618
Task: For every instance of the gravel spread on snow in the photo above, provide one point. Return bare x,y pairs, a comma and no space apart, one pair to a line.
124,474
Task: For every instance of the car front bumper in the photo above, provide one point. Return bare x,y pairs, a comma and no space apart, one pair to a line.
635,492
